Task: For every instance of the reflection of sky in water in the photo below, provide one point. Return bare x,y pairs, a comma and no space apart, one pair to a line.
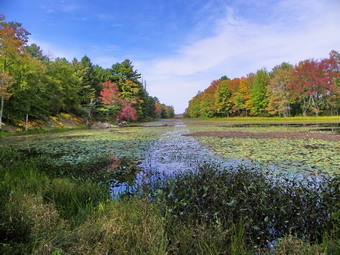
173,153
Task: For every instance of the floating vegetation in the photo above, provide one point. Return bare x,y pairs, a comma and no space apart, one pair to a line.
197,195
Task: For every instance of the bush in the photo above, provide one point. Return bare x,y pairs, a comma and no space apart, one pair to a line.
269,209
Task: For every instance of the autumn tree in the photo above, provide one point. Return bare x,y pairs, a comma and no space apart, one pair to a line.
193,110
110,98
13,39
333,70
158,110
310,87
313,84
241,97
234,88
207,105
127,113
278,92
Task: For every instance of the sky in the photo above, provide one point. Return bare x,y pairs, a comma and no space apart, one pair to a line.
180,46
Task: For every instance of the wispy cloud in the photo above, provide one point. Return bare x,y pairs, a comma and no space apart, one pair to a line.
297,30
62,5
68,6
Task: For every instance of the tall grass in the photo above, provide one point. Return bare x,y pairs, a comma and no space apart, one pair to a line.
42,214
208,211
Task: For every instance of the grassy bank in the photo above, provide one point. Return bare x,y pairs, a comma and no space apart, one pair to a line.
48,208
273,120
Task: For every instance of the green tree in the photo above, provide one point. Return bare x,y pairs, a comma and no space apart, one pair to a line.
98,75
224,78
193,110
34,51
29,90
127,78
222,99
82,70
258,92
63,87
124,71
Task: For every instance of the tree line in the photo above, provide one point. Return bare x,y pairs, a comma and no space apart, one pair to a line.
312,87
34,86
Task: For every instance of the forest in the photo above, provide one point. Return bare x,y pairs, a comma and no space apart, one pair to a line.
312,87
34,86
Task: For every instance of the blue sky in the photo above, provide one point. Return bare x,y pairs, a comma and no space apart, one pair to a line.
180,46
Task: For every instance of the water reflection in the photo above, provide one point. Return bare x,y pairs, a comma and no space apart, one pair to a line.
173,153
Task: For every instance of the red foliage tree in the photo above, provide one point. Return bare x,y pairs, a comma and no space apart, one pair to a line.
110,94
127,113
313,84
158,110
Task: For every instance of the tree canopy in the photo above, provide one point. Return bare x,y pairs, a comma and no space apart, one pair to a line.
311,87
34,85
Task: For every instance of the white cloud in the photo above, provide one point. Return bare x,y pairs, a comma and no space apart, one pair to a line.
298,30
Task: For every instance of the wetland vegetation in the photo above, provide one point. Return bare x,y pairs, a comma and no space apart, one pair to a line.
241,185
181,194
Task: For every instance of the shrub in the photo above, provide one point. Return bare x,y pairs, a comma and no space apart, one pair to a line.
269,209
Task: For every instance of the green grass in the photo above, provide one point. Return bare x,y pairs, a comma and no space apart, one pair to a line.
308,156
54,199
209,212
259,120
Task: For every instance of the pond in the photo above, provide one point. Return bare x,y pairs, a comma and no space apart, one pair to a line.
163,147
171,154
175,151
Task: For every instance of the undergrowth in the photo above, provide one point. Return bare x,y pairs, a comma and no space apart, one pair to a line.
48,208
